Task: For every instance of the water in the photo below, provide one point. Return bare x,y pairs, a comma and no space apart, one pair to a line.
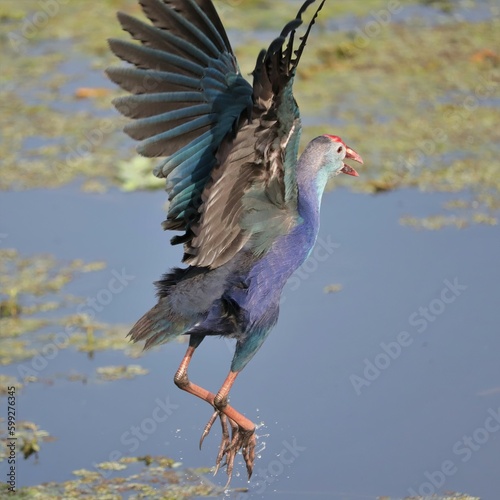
327,433
389,387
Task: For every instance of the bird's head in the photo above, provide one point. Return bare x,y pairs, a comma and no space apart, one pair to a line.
339,151
322,159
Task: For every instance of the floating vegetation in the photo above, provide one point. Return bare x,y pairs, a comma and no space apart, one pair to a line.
137,173
91,336
109,373
159,479
23,277
333,288
434,222
33,293
422,101
433,97
32,287
31,331
447,496
28,436
8,381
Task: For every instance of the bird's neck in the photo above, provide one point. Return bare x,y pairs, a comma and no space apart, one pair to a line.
289,251
310,187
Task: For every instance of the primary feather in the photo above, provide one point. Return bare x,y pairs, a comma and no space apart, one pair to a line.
230,147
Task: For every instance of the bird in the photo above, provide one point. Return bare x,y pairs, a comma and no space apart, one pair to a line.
246,205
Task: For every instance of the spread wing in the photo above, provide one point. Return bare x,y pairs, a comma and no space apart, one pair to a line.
230,147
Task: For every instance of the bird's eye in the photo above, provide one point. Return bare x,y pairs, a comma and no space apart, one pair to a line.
339,150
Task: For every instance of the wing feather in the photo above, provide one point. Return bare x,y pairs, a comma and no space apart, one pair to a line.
255,180
230,148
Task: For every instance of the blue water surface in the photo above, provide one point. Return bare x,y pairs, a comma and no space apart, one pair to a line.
371,391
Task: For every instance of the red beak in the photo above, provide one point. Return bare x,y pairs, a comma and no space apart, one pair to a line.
351,155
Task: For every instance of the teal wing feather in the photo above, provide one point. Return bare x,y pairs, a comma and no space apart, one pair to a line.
252,197
187,96
230,147
271,207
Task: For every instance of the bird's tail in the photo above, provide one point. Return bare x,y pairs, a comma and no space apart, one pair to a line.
156,327
184,297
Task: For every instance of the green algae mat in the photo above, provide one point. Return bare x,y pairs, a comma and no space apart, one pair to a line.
420,101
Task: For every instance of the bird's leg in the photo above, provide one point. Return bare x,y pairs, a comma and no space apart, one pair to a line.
225,435
182,381
243,430
225,442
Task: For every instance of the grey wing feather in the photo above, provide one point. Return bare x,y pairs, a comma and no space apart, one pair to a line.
255,178
223,139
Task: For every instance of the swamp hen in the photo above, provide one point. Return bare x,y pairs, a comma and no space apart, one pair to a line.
247,208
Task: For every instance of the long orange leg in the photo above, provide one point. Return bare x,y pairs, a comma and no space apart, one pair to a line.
182,381
243,435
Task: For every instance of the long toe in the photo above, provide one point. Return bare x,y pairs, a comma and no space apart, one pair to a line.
245,441
206,430
248,451
224,442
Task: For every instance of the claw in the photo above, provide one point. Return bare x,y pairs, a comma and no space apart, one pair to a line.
224,443
206,430
241,439
228,482
246,442
249,453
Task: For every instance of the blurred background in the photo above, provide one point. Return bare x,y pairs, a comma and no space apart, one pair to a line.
382,376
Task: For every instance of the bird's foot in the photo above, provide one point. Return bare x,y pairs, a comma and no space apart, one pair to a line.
241,439
245,441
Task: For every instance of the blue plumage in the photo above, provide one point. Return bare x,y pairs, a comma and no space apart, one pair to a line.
248,210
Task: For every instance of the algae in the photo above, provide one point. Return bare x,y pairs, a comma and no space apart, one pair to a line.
420,102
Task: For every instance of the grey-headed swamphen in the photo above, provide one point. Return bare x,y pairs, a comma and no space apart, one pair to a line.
247,208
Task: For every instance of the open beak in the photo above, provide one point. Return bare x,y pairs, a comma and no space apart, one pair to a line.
351,155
